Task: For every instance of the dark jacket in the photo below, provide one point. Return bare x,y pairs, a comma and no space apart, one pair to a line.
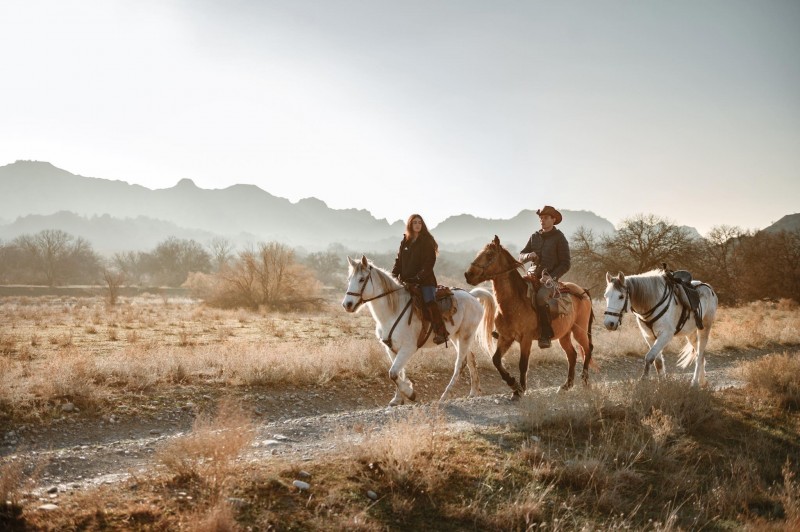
415,260
552,251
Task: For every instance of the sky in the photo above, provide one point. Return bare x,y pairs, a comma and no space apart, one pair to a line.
686,109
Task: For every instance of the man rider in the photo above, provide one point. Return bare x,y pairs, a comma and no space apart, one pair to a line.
548,249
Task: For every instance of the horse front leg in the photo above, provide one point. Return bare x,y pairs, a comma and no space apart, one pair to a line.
524,359
699,378
655,351
503,343
572,358
405,388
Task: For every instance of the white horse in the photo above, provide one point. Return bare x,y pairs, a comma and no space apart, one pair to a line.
398,328
661,317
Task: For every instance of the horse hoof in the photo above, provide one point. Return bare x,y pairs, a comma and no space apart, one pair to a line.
413,396
565,387
515,396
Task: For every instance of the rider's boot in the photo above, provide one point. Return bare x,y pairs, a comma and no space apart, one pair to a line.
545,327
439,330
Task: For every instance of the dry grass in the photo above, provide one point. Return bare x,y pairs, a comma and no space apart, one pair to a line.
775,377
654,455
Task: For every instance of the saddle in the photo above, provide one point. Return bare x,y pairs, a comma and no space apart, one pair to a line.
446,302
560,302
687,294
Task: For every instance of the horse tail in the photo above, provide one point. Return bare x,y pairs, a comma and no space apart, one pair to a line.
687,355
485,329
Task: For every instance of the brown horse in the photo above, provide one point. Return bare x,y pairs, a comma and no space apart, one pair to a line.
516,320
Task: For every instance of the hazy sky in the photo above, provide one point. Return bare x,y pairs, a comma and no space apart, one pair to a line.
689,110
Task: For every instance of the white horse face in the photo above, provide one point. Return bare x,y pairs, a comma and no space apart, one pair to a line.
616,297
359,284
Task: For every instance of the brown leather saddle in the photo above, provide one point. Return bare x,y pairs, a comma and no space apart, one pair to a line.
446,302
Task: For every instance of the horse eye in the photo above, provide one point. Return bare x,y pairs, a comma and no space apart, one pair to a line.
620,296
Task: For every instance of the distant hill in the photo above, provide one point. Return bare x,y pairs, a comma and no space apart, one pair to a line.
115,215
790,222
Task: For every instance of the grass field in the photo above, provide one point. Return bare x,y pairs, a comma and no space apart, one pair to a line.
654,455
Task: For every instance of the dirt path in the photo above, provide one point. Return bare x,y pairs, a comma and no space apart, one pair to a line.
76,452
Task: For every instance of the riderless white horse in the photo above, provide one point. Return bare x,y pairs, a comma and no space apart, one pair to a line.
399,329
654,300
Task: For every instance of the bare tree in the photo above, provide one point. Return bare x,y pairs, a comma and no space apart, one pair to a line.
267,276
59,257
114,280
645,241
221,250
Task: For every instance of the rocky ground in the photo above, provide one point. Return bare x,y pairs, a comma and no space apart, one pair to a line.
79,451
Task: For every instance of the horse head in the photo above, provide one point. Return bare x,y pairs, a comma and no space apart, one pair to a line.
617,300
359,275
491,261
365,283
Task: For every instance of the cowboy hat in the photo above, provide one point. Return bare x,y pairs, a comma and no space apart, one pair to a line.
550,211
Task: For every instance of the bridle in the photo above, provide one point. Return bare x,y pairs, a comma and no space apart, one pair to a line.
624,308
484,267
647,318
360,293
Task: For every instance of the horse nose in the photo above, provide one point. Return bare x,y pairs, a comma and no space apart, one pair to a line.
467,277
347,305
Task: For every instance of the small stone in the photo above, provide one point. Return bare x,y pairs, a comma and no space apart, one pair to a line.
302,486
372,495
67,407
52,489
49,507
304,474
155,432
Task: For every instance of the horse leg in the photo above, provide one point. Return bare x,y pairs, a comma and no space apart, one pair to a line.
572,357
655,351
699,377
524,358
661,366
503,344
398,375
462,354
581,336
474,376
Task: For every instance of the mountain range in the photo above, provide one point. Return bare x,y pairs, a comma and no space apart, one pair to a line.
118,216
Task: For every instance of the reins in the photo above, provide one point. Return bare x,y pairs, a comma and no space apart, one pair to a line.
360,293
484,267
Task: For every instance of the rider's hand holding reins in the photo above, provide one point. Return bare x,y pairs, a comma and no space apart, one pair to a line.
527,257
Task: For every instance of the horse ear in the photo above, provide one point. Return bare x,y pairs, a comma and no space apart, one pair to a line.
608,277
350,261
621,277
496,240
364,261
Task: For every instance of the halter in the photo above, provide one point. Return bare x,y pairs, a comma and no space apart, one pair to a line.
360,293
485,266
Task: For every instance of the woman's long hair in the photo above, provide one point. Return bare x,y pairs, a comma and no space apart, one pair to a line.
423,232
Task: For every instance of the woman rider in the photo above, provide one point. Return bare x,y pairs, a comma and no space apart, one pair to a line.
414,265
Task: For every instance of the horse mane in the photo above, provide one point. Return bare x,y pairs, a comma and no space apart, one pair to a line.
645,288
388,283
514,275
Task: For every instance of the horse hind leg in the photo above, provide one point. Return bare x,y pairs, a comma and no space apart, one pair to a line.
584,344
462,358
572,358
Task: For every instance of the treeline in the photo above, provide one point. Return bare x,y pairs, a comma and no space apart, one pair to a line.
741,265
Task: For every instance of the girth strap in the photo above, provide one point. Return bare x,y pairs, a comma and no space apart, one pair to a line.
388,340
